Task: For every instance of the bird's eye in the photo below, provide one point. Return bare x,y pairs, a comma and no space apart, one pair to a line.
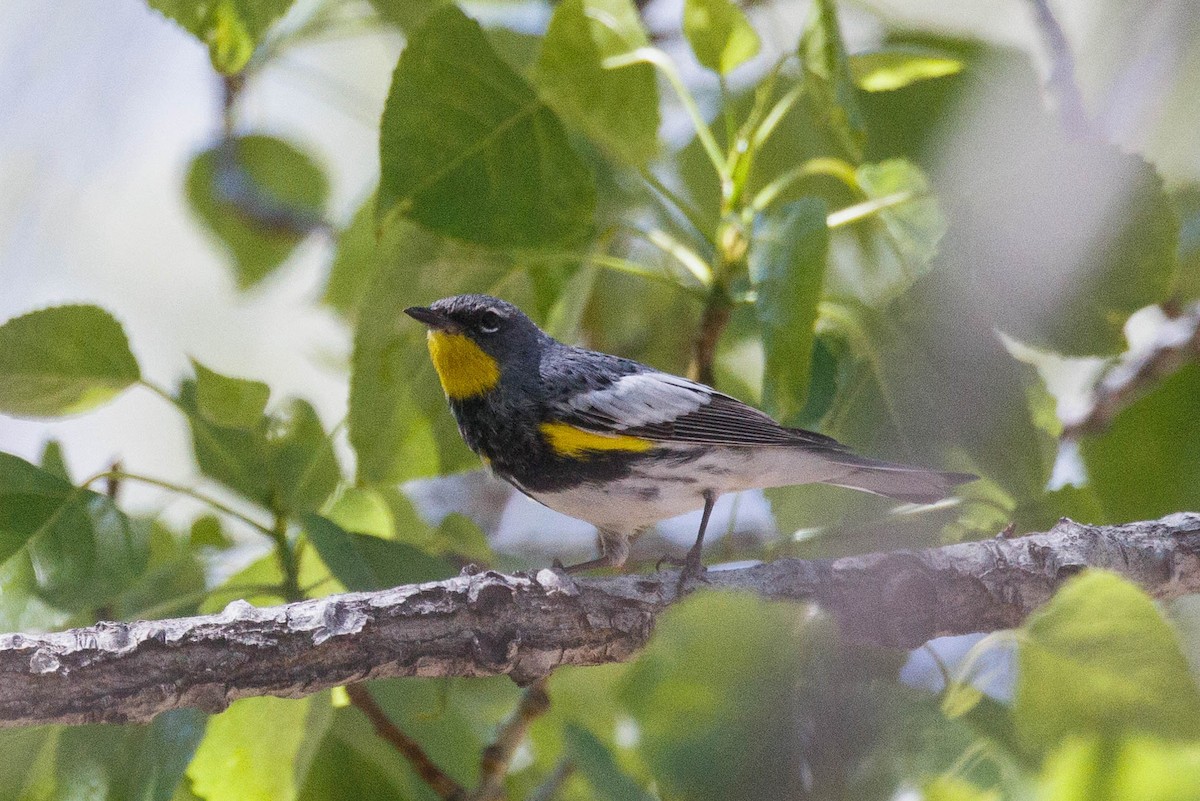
489,322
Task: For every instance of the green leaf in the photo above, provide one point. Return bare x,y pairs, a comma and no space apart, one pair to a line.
24,752
229,402
362,562
468,149
787,265
207,533
406,14
897,67
82,549
1156,438
128,762
230,28
719,33
63,360
827,76
1099,659
340,772
948,788
53,461
285,464
618,108
259,748
260,197
595,763
303,464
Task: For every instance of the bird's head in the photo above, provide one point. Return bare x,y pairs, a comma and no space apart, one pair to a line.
473,339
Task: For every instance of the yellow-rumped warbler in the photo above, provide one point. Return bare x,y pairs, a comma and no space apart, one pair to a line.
619,444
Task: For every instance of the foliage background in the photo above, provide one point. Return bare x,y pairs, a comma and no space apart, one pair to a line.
1052,240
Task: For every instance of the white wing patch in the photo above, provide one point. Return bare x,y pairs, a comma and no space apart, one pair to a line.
642,399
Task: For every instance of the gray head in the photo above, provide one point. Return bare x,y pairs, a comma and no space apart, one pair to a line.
498,327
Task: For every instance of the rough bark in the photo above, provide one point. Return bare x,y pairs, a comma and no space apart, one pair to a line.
525,626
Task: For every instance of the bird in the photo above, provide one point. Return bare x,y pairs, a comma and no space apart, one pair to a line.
619,444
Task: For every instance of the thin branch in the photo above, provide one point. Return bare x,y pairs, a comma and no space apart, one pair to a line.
1177,344
445,787
554,782
498,756
525,626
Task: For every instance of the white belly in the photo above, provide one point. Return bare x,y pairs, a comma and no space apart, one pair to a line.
657,491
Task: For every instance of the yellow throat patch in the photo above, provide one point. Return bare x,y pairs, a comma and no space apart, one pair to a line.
463,368
567,440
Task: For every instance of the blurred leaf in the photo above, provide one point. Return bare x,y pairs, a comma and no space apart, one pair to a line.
362,562
947,788
23,749
230,28
1073,233
259,748
21,609
719,33
340,773
828,78
1137,769
229,402
260,197
29,500
1187,282
63,360
355,262
595,762
468,149
127,762
287,464
207,533
787,266
1099,659
915,226
458,534
364,511
53,461
618,108
1156,439
896,67
737,698
406,14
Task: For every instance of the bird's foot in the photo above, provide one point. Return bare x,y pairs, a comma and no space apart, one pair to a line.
692,571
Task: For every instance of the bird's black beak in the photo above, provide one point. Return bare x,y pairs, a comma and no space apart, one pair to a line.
435,320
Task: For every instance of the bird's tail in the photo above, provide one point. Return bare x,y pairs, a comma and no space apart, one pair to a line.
903,482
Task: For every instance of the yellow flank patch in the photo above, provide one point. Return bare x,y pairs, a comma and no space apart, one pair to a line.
567,440
463,368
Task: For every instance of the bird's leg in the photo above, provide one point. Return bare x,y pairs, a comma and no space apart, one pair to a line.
691,564
590,564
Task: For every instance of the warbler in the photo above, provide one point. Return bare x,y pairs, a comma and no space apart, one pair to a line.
617,443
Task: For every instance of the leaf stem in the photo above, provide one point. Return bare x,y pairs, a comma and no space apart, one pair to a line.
832,167
682,206
660,60
288,564
179,489
867,208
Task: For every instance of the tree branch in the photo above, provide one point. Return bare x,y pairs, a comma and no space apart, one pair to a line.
526,626
1177,344
498,756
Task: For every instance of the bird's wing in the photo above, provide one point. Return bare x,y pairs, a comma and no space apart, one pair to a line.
667,408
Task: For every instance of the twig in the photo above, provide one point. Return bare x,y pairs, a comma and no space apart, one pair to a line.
554,782
1062,83
445,787
1177,344
526,626
713,322
498,756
